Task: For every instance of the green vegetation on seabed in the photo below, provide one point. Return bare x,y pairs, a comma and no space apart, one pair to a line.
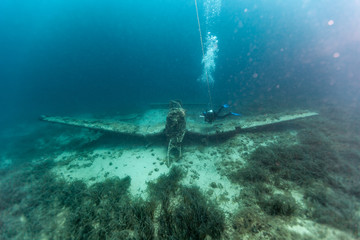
309,167
192,216
62,210
34,203
105,210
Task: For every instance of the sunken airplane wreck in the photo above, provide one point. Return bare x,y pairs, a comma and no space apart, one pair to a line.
173,122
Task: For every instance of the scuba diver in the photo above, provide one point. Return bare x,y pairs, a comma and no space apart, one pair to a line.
210,115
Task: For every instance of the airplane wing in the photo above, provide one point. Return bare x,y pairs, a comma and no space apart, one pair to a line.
228,127
152,123
113,126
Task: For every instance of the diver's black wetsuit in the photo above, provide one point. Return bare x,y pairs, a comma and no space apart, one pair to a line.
211,116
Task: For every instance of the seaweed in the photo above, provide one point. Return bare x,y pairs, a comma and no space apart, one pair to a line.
332,207
32,203
105,208
279,205
324,169
11,191
293,163
300,164
143,212
252,223
102,211
260,190
166,185
185,212
193,218
249,220
196,217
253,174
72,194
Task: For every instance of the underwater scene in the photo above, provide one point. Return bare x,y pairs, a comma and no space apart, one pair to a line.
190,119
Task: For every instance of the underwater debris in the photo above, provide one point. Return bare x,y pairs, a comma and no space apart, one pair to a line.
195,129
175,128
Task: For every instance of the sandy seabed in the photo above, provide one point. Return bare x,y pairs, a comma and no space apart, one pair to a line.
214,167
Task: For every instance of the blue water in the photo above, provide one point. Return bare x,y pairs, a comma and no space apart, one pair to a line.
85,56
98,58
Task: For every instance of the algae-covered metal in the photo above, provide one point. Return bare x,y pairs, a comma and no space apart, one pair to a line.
152,123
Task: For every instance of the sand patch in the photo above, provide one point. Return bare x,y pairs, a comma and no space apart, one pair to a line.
142,165
308,228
